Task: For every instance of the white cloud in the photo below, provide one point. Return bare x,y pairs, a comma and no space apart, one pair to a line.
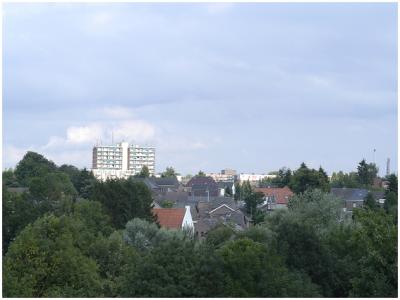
136,130
84,134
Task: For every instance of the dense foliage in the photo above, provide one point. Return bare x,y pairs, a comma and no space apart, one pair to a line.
58,244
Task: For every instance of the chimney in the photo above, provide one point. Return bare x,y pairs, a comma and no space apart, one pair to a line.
388,167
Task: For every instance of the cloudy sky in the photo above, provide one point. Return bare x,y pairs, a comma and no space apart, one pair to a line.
252,87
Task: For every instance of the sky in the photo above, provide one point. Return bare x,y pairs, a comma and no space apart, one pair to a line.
253,87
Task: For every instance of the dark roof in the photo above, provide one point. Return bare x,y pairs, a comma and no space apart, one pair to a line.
378,195
150,184
349,194
201,181
236,218
175,196
166,181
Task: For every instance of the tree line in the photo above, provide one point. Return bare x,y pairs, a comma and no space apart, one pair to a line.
72,236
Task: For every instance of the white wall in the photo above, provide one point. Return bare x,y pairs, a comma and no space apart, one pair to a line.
187,219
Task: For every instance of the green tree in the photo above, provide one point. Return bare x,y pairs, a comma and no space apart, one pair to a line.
393,185
45,261
112,255
366,172
369,201
228,191
124,199
374,243
83,180
53,192
144,173
238,191
390,205
252,201
344,180
304,178
245,190
140,234
252,269
167,204
18,211
169,172
9,179
33,165
168,270
201,174
282,178
317,209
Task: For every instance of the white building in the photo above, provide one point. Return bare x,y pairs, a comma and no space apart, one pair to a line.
254,177
122,160
225,175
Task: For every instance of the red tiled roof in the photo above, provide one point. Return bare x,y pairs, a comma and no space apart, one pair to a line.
282,195
171,218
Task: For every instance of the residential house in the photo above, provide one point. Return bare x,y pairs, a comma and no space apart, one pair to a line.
166,184
275,198
203,186
354,198
223,211
174,218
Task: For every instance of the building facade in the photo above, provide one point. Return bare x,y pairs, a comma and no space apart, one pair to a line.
121,160
253,178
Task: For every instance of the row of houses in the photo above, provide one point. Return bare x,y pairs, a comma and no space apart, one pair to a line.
200,206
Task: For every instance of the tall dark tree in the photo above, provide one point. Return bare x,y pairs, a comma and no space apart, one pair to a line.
304,178
366,172
9,179
144,173
238,191
201,174
393,184
369,201
45,261
33,165
124,199
169,172
18,211
252,200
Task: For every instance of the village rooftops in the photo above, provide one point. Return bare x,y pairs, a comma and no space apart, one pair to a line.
281,195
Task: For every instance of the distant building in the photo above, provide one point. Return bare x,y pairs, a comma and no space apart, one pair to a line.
122,160
203,186
174,218
225,175
253,178
354,198
228,172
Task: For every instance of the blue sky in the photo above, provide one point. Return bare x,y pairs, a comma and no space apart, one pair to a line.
253,87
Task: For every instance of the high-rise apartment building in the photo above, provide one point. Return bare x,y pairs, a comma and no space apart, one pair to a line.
122,160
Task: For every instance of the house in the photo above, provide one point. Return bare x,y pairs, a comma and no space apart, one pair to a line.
211,214
354,198
174,218
166,184
224,185
275,198
203,186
